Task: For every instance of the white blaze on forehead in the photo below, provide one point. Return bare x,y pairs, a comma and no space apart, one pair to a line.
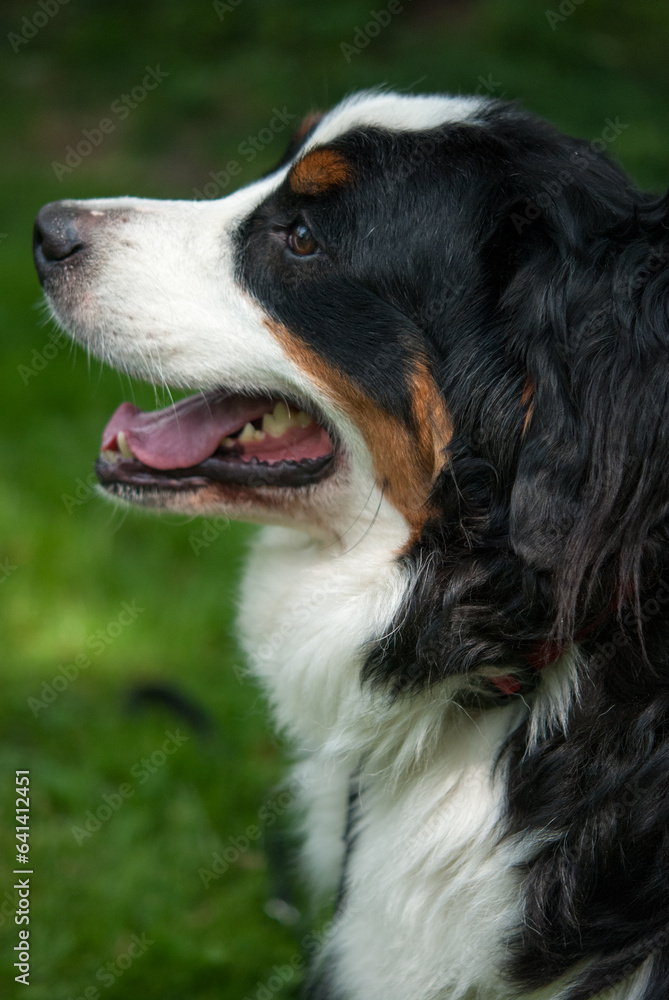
400,112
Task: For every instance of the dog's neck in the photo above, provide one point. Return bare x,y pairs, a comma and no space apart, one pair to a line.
308,614
307,611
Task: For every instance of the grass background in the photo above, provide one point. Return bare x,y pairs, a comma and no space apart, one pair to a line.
66,568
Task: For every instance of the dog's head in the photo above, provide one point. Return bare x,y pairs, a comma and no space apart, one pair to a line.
437,312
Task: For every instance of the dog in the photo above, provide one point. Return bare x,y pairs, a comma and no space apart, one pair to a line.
429,352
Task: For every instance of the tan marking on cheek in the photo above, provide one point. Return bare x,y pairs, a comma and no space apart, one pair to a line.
319,171
527,399
405,463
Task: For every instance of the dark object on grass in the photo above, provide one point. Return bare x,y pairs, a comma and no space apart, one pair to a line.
165,695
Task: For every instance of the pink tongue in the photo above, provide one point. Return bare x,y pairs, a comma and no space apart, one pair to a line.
183,434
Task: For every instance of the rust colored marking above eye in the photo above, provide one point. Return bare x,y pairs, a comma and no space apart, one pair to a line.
406,460
320,171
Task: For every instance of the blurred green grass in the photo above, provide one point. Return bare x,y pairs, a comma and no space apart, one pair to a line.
74,564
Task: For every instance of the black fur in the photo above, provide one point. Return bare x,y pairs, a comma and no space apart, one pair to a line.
509,255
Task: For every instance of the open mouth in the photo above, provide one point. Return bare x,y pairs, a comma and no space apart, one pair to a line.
215,437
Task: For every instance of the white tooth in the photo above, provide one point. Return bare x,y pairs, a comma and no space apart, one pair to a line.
248,434
109,455
226,442
277,423
271,427
123,446
260,436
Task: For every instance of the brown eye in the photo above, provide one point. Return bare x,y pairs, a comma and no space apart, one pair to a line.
301,240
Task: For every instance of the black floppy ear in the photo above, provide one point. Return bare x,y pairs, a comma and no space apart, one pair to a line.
590,500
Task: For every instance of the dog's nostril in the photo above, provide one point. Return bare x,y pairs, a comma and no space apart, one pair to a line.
56,234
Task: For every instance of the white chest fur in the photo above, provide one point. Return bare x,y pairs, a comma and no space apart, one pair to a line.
306,611
433,894
428,890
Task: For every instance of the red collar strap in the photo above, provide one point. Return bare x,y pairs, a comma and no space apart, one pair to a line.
547,651
541,655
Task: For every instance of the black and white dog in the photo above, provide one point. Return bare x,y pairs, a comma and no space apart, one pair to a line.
430,351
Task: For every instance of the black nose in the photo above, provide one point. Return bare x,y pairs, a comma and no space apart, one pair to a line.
58,235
